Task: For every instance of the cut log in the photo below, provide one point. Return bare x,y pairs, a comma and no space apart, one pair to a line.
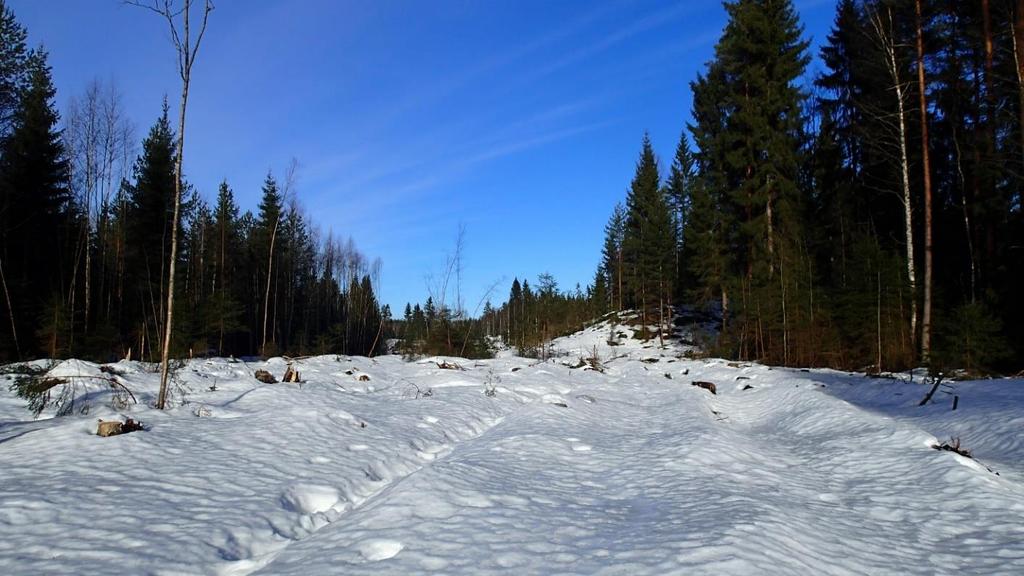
115,427
705,385
111,428
265,377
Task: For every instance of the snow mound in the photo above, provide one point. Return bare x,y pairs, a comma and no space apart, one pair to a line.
75,368
310,498
377,550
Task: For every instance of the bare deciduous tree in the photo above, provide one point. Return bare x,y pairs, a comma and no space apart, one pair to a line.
885,37
926,313
186,51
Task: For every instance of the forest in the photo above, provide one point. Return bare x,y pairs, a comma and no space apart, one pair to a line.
868,216
85,232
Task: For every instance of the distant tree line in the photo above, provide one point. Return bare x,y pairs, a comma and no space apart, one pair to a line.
85,222
527,320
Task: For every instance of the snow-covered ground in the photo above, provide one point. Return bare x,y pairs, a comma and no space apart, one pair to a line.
382,466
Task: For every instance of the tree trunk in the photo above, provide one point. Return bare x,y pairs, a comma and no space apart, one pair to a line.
967,217
186,57
169,323
1017,34
10,310
889,48
926,313
270,275
986,221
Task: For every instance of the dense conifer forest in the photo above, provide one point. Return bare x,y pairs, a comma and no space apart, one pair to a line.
866,216
85,232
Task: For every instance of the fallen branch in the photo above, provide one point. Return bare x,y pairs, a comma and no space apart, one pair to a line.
935,386
953,446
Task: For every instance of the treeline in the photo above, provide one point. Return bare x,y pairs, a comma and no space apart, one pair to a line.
872,219
528,320
85,226
530,317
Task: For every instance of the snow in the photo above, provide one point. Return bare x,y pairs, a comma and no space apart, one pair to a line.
627,470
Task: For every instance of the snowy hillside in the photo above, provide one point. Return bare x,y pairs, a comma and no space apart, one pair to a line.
382,466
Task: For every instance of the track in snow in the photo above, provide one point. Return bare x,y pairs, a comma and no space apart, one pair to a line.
647,479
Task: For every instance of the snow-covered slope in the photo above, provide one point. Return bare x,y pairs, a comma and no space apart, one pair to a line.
378,466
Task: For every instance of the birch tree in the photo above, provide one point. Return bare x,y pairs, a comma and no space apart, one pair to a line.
186,49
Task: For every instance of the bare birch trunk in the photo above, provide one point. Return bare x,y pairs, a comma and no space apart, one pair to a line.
926,313
888,46
186,57
270,275
10,310
1017,34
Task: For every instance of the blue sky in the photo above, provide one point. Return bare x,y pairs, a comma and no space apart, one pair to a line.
520,120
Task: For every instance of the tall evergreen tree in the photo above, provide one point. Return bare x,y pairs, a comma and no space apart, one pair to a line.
148,236
13,66
648,245
611,257
265,248
748,116
36,219
678,193
226,317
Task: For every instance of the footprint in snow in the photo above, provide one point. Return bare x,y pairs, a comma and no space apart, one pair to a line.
377,550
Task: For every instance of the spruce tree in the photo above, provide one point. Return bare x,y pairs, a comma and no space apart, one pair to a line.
678,192
648,245
748,112
265,248
148,237
611,258
226,312
13,66
36,218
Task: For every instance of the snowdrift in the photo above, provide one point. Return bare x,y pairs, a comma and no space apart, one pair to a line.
603,460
